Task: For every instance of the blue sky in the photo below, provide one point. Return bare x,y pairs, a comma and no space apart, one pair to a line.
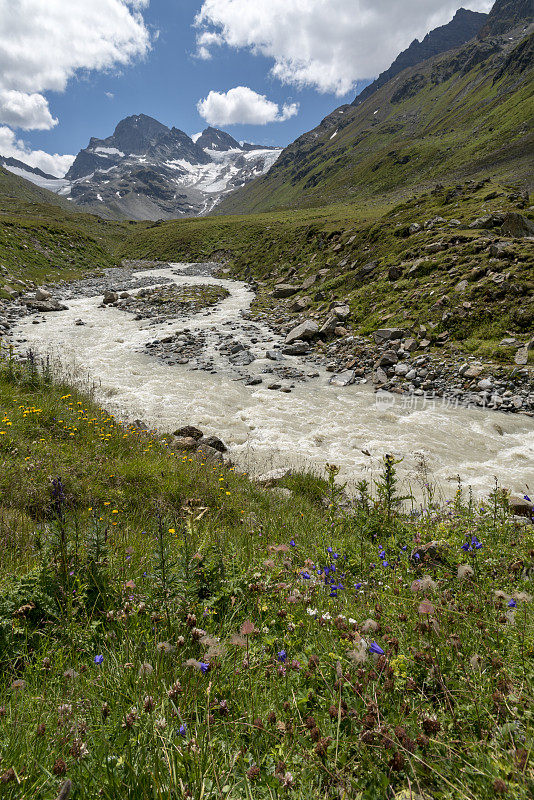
167,85
72,70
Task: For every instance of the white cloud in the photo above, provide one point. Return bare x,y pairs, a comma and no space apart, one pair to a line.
44,43
327,44
242,105
23,110
109,95
12,147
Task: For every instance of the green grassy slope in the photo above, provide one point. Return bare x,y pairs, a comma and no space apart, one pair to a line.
43,237
169,630
462,114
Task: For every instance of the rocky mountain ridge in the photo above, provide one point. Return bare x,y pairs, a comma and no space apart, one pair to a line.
463,27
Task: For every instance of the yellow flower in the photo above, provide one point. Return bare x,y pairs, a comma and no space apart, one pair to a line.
172,530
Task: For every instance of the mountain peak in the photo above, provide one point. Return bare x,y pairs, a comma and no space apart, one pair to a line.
135,134
214,139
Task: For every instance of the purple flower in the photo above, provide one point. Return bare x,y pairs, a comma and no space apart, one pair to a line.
182,730
329,550
335,555
292,543
357,586
204,667
281,656
98,659
375,648
305,575
512,604
466,547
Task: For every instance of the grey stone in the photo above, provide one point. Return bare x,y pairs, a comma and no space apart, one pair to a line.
185,443
517,225
345,378
387,359
215,443
272,477
485,384
298,348
42,294
306,330
189,431
110,297
387,334
402,370
342,312
284,290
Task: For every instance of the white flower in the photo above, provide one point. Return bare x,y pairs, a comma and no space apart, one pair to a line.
311,612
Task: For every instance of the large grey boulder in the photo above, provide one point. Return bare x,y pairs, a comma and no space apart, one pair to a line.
110,297
517,225
42,294
345,378
45,306
306,330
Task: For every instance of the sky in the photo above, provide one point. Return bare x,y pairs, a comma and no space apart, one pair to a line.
264,70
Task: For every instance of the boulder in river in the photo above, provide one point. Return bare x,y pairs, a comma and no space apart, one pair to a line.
42,294
345,378
215,443
110,297
45,306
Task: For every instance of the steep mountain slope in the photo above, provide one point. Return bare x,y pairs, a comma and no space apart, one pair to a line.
146,170
461,114
462,27
505,14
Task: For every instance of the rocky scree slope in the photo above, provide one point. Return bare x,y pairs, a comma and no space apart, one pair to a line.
146,170
464,113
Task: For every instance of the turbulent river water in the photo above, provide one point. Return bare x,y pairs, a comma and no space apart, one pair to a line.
315,424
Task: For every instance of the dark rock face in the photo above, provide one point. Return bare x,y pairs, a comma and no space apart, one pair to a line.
212,139
463,27
504,15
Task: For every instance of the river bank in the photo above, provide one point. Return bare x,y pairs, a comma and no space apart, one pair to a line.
228,371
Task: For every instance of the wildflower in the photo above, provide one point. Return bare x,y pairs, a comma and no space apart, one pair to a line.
182,730
148,703
357,586
18,684
204,667
306,575
311,612
375,649
98,659
465,571
282,656
512,603
292,543
161,723
145,669
253,773
369,626
59,767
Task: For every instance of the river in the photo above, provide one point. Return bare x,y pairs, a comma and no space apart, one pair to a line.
316,423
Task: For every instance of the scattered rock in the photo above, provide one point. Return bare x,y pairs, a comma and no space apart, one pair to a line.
517,225
42,294
387,334
215,443
185,443
345,378
273,477
110,297
284,290
189,431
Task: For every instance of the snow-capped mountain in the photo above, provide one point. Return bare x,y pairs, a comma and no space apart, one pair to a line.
146,170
